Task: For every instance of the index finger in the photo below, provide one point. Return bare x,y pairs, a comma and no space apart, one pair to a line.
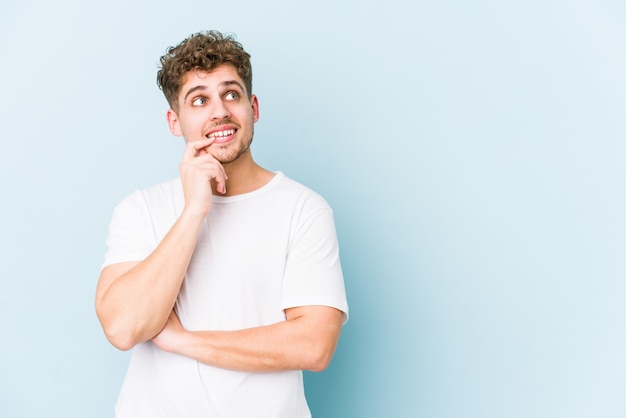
192,148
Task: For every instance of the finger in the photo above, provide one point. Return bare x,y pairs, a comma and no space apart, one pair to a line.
202,144
218,175
212,169
193,148
209,162
221,185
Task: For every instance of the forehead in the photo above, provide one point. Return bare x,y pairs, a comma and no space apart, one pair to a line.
221,75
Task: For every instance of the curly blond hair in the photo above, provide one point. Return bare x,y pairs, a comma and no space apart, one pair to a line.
201,51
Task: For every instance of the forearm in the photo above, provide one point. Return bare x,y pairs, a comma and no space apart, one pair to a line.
304,342
271,348
133,301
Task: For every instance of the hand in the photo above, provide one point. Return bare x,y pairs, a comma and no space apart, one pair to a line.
170,336
197,169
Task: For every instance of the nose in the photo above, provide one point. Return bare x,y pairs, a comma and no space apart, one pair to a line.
218,110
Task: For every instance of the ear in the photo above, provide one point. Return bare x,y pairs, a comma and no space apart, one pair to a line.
173,123
255,107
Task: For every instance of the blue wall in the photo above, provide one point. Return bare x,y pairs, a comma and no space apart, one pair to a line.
473,152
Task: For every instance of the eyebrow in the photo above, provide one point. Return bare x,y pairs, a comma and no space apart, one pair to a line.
224,83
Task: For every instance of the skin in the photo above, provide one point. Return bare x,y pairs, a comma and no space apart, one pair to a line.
135,300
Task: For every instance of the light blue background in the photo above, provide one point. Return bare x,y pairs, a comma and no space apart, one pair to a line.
473,153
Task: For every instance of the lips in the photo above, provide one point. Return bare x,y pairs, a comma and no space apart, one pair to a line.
221,135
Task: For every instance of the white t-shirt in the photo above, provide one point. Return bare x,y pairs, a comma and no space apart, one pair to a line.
257,254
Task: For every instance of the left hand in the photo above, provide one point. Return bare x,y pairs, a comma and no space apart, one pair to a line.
170,335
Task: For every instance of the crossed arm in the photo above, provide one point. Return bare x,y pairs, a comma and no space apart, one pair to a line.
306,340
135,301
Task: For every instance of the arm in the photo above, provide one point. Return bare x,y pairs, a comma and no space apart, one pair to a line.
305,341
134,299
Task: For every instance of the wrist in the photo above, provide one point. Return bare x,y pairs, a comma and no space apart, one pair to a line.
194,214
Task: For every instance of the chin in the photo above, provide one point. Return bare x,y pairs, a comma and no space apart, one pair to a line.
226,156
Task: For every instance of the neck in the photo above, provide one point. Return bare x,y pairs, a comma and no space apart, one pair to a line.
244,176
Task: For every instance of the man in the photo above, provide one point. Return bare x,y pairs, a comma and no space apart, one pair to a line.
226,281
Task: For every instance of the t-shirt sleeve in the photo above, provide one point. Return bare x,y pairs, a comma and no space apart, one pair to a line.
313,274
131,236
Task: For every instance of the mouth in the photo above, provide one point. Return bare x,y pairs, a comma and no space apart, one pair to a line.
221,135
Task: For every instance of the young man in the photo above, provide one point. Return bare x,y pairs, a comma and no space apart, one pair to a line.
226,281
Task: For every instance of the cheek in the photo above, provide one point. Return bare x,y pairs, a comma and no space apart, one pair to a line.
190,128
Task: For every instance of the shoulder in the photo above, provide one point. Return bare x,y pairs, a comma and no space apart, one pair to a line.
166,190
156,197
300,193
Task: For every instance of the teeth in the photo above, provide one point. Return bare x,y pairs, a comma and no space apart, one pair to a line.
222,133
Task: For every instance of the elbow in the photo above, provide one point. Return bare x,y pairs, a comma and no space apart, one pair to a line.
320,349
121,331
118,333
120,338
124,335
318,358
120,342
319,365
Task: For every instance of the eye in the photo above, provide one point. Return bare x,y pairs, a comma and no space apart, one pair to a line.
198,101
232,95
